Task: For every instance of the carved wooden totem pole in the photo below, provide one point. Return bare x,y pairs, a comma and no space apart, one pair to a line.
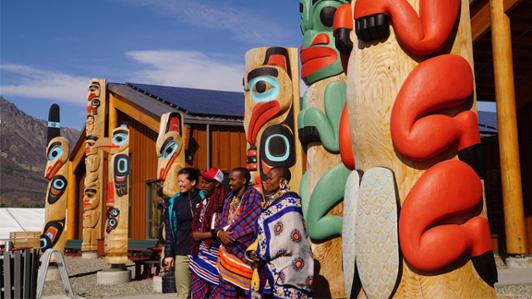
56,170
271,85
117,203
324,132
95,128
170,151
415,136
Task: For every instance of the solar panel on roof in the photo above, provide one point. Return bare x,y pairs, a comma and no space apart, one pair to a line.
487,121
197,101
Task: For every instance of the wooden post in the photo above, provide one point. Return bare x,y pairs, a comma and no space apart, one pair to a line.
116,205
94,163
113,116
516,238
385,71
71,204
272,137
56,171
170,151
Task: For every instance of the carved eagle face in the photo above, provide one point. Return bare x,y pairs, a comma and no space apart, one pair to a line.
268,89
170,151
56,156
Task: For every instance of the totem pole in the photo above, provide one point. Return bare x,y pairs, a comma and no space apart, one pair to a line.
117,204
56,170
170,151
415,137
324,133
95,129
271,85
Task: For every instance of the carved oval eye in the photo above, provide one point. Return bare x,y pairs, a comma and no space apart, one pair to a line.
94,88
55,153
169,149
59,184
122,165
90,193
119,139
327,15
264,88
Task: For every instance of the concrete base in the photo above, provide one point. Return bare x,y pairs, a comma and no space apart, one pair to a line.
113,276
157,284
53,274
89,254
512,276
519,262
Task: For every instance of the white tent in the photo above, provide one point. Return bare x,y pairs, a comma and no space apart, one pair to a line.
20,220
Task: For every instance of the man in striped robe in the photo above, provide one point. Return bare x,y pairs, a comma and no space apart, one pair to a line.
236,231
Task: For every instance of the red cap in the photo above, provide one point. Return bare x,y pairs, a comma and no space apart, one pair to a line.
213,174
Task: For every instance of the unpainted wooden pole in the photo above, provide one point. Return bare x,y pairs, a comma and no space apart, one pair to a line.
512,196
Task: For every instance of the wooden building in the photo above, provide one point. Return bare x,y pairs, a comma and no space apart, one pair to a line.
214,137
502,37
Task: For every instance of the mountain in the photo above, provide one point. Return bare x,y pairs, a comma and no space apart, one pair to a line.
23,156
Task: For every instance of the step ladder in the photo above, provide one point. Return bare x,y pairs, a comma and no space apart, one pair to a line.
62,270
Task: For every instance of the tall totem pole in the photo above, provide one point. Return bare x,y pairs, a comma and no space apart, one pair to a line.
117,203
415,136
271,85
322,122
95,129
170,151
56,170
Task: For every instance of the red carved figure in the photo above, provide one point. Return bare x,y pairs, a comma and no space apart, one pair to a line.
438,83
421,35
445,190
438,223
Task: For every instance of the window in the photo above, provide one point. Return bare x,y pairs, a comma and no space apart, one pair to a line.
154,204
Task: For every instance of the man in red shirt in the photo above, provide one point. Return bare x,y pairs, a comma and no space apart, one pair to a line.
205,246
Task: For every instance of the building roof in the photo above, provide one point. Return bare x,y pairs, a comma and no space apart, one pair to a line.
196,102
487,122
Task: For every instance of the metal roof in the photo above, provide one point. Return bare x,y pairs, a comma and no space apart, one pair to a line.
487,122
215,104
199,102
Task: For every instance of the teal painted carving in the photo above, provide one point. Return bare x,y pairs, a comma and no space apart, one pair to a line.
329,191
325,124
319,57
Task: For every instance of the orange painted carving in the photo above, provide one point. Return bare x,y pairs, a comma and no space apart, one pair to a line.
344,139
431,234
262,112
419,130
421,35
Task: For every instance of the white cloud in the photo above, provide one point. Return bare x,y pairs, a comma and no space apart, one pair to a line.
243,25
44,84
186,69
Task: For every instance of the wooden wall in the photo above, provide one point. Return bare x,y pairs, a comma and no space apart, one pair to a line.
143,167
228,147
227,152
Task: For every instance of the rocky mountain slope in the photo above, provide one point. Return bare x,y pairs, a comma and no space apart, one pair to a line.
22,156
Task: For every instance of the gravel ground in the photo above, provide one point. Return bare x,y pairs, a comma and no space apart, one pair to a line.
82,274
518,291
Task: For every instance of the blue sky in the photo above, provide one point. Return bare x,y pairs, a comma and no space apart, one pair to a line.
50,49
